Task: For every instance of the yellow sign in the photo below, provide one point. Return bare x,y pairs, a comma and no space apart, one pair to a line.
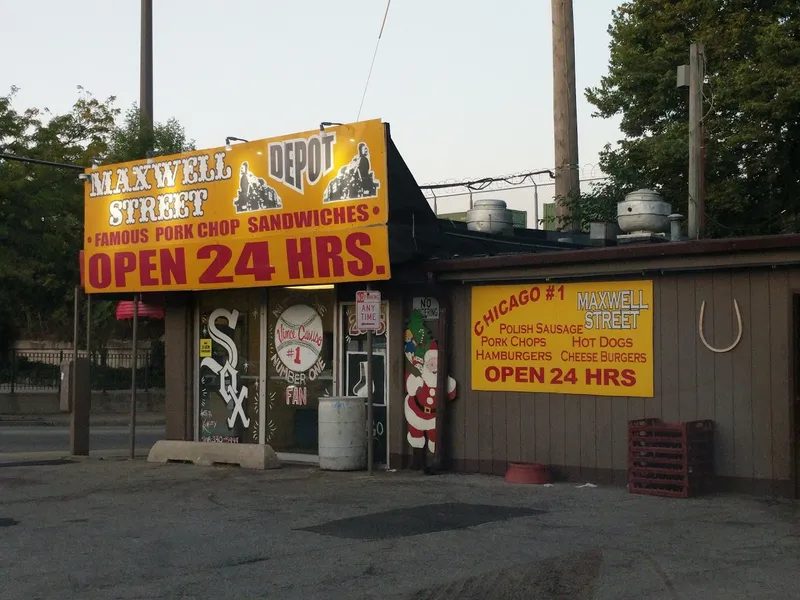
295,210
205,347
573,338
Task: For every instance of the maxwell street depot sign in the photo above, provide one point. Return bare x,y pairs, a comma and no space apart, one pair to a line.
572,338
299,209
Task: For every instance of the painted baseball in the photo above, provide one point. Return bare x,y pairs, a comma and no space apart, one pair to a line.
298,337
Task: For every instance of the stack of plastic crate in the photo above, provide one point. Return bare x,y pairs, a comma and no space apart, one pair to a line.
670,459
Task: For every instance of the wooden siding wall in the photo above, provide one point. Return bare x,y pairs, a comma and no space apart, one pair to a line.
746,391
178,351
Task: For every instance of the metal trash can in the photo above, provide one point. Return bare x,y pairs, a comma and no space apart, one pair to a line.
342,433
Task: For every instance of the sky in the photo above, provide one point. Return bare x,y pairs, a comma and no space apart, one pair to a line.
466,85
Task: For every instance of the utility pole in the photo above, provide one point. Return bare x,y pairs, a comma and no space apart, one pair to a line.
565,112
696,200
146,73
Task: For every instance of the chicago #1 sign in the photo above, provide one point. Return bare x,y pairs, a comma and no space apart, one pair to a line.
572,338
300,209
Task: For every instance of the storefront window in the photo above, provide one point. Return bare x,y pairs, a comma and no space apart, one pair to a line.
300,365
229,366
353,361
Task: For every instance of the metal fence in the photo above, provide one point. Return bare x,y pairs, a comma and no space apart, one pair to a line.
40,370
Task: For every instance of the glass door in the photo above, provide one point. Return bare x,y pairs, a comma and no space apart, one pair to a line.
352,372
229,366
299,339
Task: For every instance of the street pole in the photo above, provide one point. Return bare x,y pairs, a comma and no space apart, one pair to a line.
134,364
146,73
565,113
696,201
89,328
370,413
74,430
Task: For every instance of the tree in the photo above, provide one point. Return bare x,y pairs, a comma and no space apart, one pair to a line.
751,111
41,207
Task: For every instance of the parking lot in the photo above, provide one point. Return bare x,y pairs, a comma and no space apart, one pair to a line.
121,529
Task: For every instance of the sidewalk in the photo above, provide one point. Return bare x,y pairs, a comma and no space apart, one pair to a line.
63,420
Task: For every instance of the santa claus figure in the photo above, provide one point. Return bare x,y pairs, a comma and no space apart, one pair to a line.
420,406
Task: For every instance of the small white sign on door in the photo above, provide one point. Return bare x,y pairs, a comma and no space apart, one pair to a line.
368,310
428,307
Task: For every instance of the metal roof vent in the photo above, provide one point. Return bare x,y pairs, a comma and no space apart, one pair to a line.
643,216
490,216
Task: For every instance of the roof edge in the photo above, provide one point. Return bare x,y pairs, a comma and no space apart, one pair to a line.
632,252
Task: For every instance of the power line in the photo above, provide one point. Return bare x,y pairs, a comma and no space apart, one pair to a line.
36,161
513,187
481,184
374,55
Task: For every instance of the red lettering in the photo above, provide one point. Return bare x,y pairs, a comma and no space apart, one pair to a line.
147,266
571,376
611,376
594,376
287,222
256,253
100,271
329,259
363,264
537,374
124,263
304,218
338,215
274,222
300,257
628,377
351,214
173,267
557,374
363,212
221,257
325,216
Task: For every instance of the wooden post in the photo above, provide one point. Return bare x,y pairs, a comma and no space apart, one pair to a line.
565,112
696,204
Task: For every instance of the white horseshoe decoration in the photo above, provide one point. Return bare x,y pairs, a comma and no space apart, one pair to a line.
738,337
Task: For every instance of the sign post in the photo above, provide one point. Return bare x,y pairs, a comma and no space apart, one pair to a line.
368,318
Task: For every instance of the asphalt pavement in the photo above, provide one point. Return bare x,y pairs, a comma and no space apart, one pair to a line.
101,529
28,438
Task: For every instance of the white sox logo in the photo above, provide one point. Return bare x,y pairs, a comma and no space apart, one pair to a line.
228,374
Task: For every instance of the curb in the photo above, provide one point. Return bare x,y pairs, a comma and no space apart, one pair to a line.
50,458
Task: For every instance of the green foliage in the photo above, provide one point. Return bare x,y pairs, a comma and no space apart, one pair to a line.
751,107
41,207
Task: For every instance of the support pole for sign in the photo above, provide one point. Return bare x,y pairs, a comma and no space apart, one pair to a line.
134,361
146,73
370,416
89,329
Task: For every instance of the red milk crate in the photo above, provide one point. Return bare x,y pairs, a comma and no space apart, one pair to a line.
670,459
